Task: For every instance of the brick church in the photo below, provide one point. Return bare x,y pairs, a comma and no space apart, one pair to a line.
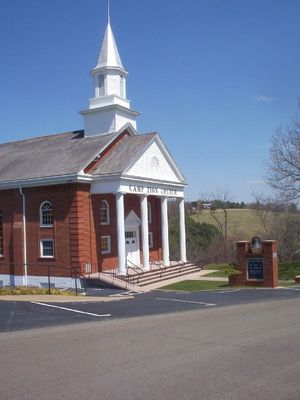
94,199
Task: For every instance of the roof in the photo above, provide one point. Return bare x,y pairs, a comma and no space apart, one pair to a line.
65,155
121,156
109,54
46,156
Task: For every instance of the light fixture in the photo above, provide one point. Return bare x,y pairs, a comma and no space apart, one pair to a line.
256,244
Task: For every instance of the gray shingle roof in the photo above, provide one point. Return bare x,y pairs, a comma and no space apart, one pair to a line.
121,156
46,156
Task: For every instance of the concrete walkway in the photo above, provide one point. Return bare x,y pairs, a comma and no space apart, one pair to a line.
199,275
46,298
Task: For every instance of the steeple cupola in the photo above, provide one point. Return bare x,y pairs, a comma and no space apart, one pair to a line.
109,109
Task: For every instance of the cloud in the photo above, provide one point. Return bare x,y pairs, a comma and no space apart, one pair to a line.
255,182
264,99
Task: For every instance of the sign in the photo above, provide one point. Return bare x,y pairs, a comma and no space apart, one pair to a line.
255,268
152,190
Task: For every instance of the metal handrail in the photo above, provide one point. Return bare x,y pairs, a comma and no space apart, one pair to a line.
160,265
137,270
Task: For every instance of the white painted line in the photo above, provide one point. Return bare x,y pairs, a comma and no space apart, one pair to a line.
226,291
70,309
187,301
289,288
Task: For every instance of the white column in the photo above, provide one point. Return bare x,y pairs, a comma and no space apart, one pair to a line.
121,233
165,230
182,237
145,231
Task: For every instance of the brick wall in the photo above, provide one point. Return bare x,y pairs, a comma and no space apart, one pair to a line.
76,230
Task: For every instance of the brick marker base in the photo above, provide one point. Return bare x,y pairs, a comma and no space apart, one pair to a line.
267,259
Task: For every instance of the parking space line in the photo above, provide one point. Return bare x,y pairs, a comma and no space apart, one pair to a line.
187,301
70,309
226,291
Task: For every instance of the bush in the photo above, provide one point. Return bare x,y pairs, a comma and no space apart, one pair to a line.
23,290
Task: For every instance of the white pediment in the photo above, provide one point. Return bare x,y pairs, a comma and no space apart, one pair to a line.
132,219
156,164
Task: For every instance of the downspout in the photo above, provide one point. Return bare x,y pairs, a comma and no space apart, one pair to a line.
24,236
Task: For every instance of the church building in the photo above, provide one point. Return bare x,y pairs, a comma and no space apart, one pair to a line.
95,199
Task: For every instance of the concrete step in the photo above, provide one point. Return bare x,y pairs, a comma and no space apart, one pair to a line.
168,272
149,277
112,280
164,280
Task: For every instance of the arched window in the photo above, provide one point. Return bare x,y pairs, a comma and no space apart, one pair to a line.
104,212
149,213
46,214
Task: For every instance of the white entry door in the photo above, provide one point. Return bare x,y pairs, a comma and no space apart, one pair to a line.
132,246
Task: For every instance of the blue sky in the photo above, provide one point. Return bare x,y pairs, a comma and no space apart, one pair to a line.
215,78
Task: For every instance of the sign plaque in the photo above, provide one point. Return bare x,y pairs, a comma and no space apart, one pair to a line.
255,268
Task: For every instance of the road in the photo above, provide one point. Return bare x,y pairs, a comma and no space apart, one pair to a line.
246,351
26,315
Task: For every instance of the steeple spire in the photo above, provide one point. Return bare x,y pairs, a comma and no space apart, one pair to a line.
109,109
108,12
109,55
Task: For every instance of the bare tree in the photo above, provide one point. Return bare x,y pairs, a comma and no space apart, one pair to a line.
280,222
221,219
284,163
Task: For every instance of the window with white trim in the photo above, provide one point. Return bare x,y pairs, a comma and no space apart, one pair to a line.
1,234
105,245
150,237
46,214
104,213
149,213
47,248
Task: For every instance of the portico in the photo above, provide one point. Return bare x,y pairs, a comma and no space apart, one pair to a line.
133,230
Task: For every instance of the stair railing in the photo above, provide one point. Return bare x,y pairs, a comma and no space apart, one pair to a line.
162,267
138,271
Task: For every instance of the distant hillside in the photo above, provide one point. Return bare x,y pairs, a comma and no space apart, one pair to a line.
242,223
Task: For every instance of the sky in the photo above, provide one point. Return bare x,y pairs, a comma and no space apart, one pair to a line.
215,78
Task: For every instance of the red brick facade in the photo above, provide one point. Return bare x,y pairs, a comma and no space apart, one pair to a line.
76,229
270,259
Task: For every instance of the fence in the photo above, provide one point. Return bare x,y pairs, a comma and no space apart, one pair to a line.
41,275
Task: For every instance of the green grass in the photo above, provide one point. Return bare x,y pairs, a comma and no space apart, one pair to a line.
22,290
220,270
194,285
288,271
241,222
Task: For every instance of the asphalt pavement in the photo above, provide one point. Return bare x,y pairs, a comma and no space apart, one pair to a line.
44,312
243,351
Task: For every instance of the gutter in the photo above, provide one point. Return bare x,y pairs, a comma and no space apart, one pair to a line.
25,281
51,180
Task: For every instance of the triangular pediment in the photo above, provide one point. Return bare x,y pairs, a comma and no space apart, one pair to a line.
155,163
132,219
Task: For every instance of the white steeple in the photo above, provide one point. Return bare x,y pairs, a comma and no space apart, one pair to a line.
109,55
109,109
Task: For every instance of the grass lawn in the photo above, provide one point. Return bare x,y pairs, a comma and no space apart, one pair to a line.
220,270
288,271
193,285
243,222
286,278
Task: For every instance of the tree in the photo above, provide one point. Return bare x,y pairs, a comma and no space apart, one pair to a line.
280,222
284,163
220,202
199,237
